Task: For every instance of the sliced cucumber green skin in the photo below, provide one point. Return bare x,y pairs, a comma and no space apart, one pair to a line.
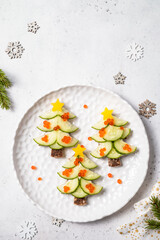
90,193
84,164
123,152
56,116
108,140
68,178
72,191
51,130
86,167
103,140
91,179
68,146
75,194
104,155
123,137
58,147
44,145
113,157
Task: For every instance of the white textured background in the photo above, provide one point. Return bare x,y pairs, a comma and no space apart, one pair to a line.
79,42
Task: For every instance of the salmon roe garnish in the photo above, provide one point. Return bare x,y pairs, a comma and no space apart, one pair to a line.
65,116
33,167
102,132
82,173
85,106
39,179
67,172
121,128
119,181
66,189
56,128
102,150
46,124
110,175
127,147
90,187
66,139
45,138
82,146
109,121
89,138
77,161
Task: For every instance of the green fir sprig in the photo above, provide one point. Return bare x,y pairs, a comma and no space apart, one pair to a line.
155,209
5,102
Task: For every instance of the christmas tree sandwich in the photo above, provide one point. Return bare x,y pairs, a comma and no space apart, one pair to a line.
57,129
110,136
79,177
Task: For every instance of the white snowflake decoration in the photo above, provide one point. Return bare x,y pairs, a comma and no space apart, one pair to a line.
57,222
14,50
27,230
119,78
33,27
135,52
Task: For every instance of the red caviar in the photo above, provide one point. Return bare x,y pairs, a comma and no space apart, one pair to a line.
127,147
82,173
39,179
121,128
109,121
90,187
102,132
85,106
102,150
46,124
119,181
66,189
89,138
33,167
45,138
77,161
82,146
110,175
65,116
56,128
66,139
67,172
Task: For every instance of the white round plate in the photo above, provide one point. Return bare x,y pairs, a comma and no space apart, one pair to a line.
44,193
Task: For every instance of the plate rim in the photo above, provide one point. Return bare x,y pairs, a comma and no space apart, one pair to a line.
124,202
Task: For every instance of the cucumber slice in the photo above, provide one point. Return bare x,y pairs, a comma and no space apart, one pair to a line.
83,184
51,114
75,171
56,146
73,175
117,122
97,138
113,133
126,132
65,126
86,163
60,136
51,139
72,184
96,152
119,144
79,193
90,175
114,154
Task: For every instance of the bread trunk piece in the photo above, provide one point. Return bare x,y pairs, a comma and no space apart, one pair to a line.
114,162
80,201
57,153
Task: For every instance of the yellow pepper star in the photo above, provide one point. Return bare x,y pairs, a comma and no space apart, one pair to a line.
79,150
57,106
107,114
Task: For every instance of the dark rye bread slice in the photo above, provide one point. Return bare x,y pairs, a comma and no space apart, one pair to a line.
114,162
80,201
57,153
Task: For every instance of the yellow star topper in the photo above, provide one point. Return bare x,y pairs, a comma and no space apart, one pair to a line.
107,114
57,106
79,150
